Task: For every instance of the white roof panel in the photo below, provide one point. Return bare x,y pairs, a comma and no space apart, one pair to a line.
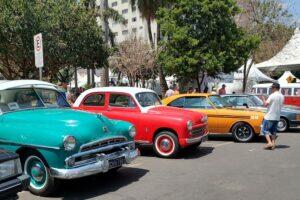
24,83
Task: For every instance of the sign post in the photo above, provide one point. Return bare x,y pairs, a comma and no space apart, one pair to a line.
38,53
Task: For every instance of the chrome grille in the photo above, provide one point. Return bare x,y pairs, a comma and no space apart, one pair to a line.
198,131
102,143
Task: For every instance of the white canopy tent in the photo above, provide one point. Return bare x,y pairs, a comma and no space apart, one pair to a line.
284,78
287,59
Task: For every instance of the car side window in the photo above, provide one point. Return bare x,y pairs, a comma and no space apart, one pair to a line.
121,100
177,103
231,100
197,102
95,100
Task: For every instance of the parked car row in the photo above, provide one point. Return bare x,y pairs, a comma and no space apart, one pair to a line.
102,129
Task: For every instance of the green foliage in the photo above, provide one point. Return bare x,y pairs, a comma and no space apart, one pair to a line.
201,36
71,37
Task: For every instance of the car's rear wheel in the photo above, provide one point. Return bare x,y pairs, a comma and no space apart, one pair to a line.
166,144
242,132
41,182
282,125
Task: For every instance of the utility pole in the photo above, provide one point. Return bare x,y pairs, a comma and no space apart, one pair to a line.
105,69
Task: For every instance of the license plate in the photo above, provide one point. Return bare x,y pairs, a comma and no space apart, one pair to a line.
204,139
117,162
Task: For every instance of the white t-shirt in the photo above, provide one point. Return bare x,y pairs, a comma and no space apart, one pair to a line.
275,102
169,93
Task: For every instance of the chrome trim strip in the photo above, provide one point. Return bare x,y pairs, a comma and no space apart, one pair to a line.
97,141
100,166
142,142
28,145
197,139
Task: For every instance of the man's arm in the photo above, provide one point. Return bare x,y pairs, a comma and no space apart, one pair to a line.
266,102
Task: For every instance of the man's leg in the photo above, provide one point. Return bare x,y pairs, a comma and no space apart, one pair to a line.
273,131
266,132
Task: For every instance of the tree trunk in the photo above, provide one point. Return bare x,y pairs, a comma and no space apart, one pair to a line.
75,78
150,32
105,70
88,72
162,78
246,72
200,82
93,77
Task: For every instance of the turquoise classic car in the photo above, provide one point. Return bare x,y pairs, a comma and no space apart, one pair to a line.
56,142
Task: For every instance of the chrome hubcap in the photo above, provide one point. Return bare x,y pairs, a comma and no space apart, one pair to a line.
165,145
37,173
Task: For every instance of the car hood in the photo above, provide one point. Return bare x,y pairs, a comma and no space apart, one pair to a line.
49,126
176,112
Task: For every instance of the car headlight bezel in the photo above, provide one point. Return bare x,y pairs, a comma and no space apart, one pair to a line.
10,168
204,119
69,143
189,125
132,131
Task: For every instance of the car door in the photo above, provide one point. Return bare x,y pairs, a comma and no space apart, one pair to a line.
201,103
94,102
122,106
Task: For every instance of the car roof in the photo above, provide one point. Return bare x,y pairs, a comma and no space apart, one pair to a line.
128,90
24,83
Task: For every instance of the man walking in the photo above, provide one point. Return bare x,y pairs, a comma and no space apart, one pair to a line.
272,117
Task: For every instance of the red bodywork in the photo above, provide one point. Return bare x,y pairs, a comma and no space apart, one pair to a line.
156,119
292,100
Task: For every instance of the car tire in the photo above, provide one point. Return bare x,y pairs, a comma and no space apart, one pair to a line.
41,182
242,132
166,144
283,125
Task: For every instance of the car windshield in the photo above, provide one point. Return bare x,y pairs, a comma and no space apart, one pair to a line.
30,98
256,100
146,99
219,102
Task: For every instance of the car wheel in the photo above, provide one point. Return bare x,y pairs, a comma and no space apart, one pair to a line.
166,144
282,125
242,132
41,182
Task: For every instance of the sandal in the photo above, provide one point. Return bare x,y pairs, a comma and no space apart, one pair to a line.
268,146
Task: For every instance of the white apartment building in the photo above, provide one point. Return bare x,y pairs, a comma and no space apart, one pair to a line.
135,24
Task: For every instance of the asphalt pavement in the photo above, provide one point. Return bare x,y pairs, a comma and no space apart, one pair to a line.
219,170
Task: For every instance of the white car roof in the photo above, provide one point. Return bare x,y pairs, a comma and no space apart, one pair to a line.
129,90
24,83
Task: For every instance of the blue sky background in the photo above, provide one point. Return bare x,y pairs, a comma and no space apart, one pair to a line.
294,6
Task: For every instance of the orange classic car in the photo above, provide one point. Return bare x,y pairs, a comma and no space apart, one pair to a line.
222,119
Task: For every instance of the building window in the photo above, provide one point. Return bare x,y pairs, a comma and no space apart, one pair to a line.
141,27
133,8
125,32
126,22
113,4
125,11
134,19
134,30
124,1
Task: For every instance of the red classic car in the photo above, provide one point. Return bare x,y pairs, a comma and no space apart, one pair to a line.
167,129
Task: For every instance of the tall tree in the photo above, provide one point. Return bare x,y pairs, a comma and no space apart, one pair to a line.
148,9
272,22
67,43
201,38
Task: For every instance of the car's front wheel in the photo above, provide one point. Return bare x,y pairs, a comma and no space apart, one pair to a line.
41,182
166,144
242,132
282,125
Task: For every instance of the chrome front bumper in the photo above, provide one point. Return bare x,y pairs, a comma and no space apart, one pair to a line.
101,165
201,138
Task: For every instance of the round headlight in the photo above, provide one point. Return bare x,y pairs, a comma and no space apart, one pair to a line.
204,119
189,125
132,131
69,143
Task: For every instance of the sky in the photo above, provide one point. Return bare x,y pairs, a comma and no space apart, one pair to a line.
294,7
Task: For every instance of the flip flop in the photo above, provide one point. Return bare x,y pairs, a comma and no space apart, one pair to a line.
268,146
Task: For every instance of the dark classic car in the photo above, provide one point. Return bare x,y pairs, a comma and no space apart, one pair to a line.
289,117
12,180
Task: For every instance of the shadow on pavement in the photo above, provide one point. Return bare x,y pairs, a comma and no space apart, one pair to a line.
183,154
281,146
97,185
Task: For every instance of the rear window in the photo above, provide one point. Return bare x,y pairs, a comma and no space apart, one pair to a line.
121,100
262,90
286,91
297,91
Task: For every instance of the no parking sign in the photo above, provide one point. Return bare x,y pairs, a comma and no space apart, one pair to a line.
38,50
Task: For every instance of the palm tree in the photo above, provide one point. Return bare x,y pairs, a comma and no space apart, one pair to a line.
148,9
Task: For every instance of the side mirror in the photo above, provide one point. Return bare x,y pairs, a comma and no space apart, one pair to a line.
246,105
